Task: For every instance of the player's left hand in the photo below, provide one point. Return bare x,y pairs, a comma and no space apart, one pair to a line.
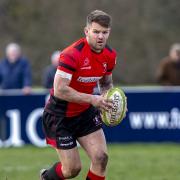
101,102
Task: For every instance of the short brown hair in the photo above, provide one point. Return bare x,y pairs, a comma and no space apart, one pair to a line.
99,17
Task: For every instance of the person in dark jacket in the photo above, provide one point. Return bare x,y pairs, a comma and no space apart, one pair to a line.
49,72
168,72
15,70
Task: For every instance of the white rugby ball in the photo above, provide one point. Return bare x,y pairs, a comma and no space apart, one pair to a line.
115,114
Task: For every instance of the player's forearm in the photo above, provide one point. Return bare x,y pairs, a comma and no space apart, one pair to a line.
105,83
71,95
105,87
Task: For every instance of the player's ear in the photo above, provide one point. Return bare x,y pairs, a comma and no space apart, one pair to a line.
86,30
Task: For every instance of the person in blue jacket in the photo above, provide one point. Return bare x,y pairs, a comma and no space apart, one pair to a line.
15,70
49,71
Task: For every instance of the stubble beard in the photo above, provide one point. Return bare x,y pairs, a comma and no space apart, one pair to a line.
97,48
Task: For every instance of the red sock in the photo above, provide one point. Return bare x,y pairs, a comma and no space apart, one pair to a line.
59,171
92,176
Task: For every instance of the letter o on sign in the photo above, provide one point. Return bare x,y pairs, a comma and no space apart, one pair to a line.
31,128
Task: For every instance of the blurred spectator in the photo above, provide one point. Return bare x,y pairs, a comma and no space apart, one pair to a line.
169,68
49,72
15,71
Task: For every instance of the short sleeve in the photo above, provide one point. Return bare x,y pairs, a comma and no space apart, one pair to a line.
67,63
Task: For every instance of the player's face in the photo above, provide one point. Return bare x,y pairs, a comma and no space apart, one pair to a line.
97,36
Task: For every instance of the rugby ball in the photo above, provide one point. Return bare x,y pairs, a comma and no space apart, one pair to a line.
118,111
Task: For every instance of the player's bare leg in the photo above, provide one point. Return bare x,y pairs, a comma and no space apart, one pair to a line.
70,160
68,167
96,148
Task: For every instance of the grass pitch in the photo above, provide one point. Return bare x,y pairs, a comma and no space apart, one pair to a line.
126,162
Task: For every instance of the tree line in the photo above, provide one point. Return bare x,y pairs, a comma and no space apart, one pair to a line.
142,32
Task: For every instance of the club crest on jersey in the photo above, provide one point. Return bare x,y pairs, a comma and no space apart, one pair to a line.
105,67
86,62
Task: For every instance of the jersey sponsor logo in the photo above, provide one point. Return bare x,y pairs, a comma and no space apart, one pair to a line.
88,79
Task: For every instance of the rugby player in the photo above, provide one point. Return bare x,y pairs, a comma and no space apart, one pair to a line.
72,113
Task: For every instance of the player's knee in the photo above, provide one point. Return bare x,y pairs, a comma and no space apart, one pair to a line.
72,171
102,159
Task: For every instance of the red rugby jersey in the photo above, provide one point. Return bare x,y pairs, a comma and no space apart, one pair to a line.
86,67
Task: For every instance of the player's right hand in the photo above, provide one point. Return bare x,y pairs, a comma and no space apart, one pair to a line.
101,102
